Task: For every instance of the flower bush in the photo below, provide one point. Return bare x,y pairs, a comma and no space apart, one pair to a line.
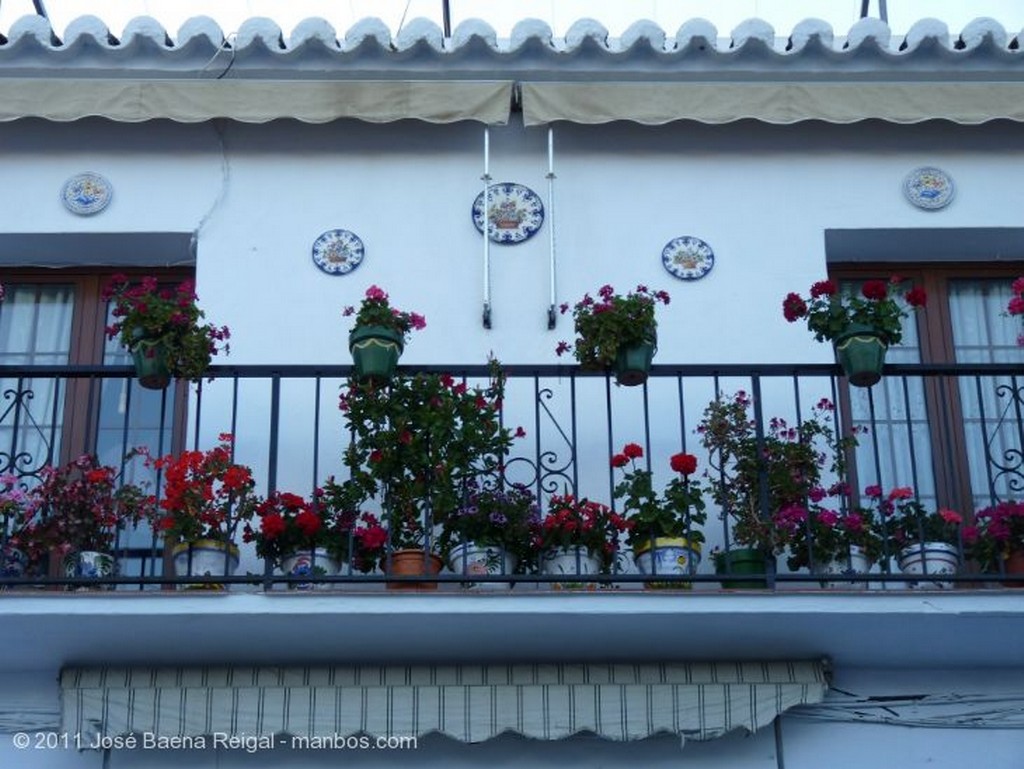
572,522
507,516
1013,308
816,535
610,322
20,522
206,494
356,537
417,443
903,520
82,505
145,311
997,532
830,314
676,514
791,461
376,310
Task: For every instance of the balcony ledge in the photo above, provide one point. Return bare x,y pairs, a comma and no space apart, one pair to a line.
876,629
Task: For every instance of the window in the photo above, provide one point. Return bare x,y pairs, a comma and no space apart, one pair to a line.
57,317
958,441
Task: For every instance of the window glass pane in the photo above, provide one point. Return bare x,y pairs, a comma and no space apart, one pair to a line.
896,449
992,406
35,329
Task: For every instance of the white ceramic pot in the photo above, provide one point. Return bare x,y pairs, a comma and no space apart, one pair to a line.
856,563
570,562
90,564
205,558
932,559
308,563
482,560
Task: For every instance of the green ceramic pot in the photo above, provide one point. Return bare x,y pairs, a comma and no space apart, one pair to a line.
151,367
375,352
860,351
739,562
633,362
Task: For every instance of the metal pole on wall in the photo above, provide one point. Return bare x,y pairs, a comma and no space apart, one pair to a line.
446,18
552,316
487,226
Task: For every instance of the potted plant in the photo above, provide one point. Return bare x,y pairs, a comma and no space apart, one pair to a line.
82,506
996,539
829,541
317,537
1015,306
378,337
206,496
162,328
616,332
663,530
860,327
415,446
925,542
578,537
22,547
754,474
492,532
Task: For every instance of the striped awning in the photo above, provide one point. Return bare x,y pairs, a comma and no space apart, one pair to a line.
470,703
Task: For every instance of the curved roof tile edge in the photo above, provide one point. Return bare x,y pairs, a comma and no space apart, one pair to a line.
582,33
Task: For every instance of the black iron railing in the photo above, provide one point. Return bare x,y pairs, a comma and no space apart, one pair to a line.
953,434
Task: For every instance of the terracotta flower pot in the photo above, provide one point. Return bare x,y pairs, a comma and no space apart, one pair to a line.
412,563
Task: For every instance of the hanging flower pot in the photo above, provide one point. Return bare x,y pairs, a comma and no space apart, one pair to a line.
375,351
860,351
669,556
633,362
151,363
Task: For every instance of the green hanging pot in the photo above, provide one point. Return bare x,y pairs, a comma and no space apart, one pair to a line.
633,362
151,363
860,351
375,351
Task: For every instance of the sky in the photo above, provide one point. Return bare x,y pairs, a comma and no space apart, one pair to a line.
616,15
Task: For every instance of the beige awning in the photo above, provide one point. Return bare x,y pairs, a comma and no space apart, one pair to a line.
256,101
653,103
470,703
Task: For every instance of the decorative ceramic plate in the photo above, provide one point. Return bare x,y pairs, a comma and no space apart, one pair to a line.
338,252
928,188
86,194
516,213
688,258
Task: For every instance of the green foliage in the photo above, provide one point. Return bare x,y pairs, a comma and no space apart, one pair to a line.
145,311
416,444
610,322
679,513
753,478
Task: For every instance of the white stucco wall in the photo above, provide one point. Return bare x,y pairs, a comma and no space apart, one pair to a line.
258,196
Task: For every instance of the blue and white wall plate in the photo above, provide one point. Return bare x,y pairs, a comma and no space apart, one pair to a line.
516,213
928,188
86,194
688,258
338,252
